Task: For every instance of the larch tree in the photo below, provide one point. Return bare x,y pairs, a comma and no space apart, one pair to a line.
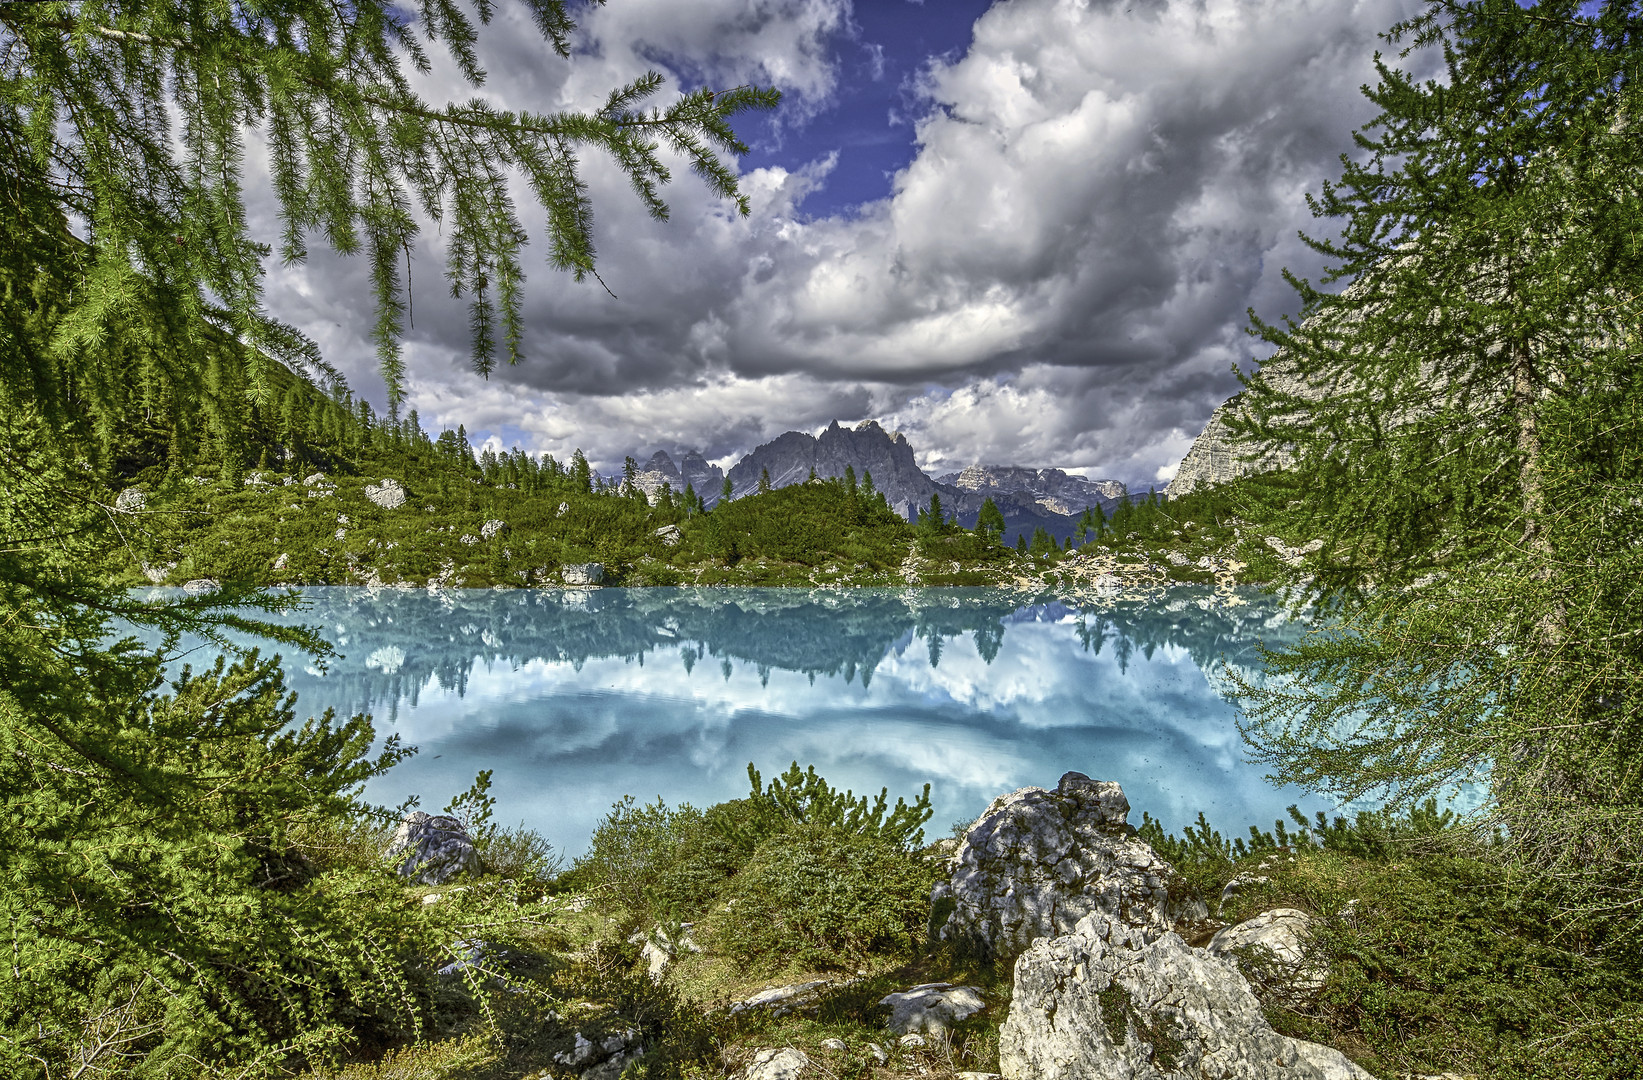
1464,424
163,914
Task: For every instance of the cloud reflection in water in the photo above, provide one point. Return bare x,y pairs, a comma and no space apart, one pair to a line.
574,700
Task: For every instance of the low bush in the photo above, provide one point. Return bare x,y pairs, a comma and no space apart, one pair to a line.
823,899
1441,956
659,863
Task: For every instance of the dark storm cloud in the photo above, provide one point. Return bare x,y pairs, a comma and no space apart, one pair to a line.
1059,277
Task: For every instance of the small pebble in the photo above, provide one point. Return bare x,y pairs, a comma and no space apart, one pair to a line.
914,1039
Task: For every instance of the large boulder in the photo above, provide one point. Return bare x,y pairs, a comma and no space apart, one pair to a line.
1108,1000
932,1008
783,1063
432,849
582,574
1037,861
1276,941
388,495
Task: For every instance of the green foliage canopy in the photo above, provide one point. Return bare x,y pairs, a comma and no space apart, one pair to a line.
163,903
88,93
1464,424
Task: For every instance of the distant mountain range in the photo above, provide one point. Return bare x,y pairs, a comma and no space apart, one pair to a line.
1050,499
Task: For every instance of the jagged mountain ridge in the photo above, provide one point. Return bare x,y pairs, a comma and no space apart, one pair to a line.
1051,489
693,470
1050,499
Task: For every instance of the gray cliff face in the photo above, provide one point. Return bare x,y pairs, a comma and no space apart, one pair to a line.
693,471
866,448
1214,458
1051,490
697,472
657,471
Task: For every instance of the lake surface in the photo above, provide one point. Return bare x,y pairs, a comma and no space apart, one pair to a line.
574,699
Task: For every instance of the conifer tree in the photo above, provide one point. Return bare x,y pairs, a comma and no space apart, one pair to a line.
1465,428
152,875
990,521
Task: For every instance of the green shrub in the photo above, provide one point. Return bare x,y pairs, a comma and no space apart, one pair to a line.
520,854
1205,861
659,863
1441,957
800,798
822,898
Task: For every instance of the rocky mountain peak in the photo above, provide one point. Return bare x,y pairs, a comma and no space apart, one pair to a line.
693,470
1053,490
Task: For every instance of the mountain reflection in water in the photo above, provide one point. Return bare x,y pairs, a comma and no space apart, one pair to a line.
574,699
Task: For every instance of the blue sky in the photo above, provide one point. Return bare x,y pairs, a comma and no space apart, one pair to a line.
1025,232
869,122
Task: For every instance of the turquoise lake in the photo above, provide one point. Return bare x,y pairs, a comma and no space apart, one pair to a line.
574,699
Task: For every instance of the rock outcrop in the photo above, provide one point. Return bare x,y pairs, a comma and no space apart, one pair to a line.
582,574
432,849
782,1000
1108,1001
1037,861
1278,940
931,1009
388,494
660,950
784,1063
608,1057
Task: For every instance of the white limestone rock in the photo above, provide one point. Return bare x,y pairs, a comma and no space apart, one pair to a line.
1107,1001
1279,938
282,561
782,1000
431,850
131,501
489,530
582,574
669,535
1038,861
785,1063
388,494
661,949
201,586
932,1008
